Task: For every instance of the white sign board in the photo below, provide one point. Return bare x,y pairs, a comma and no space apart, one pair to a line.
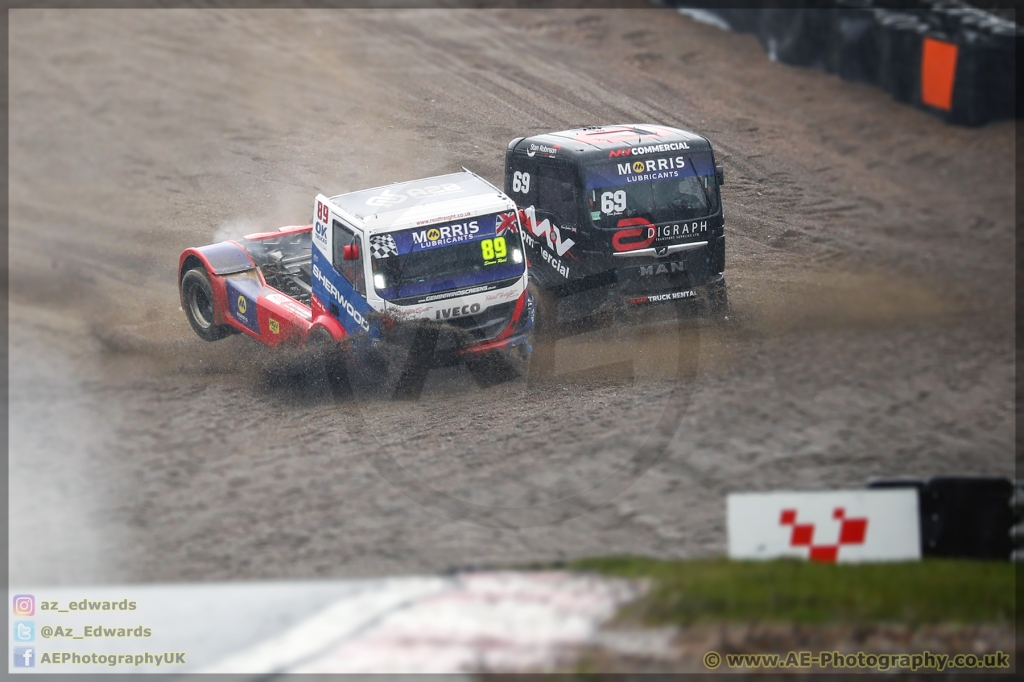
839,525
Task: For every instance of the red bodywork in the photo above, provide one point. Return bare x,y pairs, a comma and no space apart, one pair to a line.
501,341
280,318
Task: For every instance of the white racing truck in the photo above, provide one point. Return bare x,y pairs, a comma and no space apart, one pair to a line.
440,256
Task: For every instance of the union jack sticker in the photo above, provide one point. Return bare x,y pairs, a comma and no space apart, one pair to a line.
506,222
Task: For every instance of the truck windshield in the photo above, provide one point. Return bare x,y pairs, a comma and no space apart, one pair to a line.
661,189
439,258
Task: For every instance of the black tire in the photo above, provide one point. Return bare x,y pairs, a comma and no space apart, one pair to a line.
545,334
793,36
417,364
197,301
332,361
718,299
494,368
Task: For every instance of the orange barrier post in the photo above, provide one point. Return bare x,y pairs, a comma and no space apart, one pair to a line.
938,71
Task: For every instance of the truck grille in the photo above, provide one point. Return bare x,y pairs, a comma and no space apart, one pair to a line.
487,324
636,283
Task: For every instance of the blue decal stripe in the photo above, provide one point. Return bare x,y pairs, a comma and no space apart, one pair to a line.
330,287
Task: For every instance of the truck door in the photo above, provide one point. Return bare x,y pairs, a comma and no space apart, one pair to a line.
555,222
339,285
352,268
556,196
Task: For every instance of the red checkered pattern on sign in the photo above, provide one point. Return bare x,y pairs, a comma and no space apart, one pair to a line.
851,532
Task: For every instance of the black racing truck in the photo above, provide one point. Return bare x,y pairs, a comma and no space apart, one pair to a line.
620,217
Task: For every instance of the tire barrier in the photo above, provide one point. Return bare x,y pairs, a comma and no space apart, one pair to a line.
898,37
795,36
953,60
969,517
853,41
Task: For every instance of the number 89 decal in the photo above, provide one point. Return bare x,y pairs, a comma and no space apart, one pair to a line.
494,250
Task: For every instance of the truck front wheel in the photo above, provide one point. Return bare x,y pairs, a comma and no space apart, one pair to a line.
331,360
497,367
545,334
197,300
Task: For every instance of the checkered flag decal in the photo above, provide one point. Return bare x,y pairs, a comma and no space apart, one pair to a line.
382,246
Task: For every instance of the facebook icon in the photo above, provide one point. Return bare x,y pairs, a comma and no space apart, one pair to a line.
24,657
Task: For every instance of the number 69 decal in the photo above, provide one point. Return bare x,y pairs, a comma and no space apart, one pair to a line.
521,182
613,203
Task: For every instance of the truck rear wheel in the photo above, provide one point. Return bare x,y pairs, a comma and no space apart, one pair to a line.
197,300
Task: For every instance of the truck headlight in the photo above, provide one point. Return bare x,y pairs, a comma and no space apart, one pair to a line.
378,281
517,256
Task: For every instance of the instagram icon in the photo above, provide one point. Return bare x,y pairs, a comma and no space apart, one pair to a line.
24,605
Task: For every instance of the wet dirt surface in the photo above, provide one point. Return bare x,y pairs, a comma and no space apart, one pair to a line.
870,263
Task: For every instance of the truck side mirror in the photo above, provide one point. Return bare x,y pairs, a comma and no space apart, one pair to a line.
350,252
720,175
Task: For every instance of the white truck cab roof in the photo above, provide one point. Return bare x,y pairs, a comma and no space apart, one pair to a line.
421,202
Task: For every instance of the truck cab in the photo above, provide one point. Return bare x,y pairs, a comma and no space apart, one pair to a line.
631,210
440,256
445,250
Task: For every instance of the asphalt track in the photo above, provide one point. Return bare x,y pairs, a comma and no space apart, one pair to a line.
870,261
